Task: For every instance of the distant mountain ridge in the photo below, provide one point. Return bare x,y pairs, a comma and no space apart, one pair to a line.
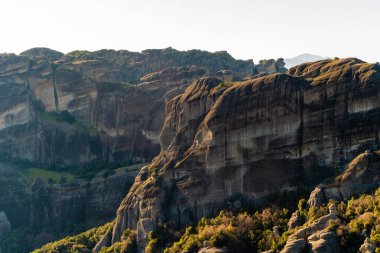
302,58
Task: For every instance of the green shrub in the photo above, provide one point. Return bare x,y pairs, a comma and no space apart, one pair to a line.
302,204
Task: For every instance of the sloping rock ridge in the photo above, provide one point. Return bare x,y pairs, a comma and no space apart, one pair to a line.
244,141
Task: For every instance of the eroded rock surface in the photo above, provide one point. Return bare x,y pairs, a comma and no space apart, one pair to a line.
315,237
116,97
267,134
361,175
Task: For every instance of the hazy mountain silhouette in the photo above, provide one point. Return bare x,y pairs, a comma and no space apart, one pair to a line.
302,58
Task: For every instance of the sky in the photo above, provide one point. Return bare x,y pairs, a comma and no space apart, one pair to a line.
247,29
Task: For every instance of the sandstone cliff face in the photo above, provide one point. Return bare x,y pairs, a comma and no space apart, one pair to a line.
117,97
263,135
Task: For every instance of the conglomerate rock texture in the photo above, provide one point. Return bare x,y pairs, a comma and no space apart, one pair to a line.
241,142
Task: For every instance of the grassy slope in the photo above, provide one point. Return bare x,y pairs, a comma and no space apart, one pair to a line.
32,173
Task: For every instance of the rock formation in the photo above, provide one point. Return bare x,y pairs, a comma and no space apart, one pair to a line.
294,221
315,237
107,93
271,66
241,142
362,174
105,107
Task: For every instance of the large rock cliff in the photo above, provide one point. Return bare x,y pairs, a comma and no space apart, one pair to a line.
116,97
241,142
106,107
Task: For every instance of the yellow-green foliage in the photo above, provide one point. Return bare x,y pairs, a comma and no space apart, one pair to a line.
360,217
225,84
252,233
126,245
243,232
32,173
152,245
239,233
83,242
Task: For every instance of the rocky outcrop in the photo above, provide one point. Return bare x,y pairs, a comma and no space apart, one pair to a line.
212,250
361,175
315,237
294,221
271,66
271,133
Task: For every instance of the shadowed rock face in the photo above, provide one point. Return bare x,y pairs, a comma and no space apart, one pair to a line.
361,175
271,133
117,98
45,205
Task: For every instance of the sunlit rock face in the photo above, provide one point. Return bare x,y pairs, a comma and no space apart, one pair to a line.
117,99
221,145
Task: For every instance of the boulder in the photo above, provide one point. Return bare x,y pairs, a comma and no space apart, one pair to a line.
294,246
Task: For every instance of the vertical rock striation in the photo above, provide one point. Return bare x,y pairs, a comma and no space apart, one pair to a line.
116,97
239,143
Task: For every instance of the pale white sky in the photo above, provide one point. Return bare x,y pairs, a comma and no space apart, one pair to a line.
247,29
